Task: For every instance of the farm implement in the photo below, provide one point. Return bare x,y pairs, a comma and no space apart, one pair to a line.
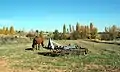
57,49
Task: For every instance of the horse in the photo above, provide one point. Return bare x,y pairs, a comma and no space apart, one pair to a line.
37,41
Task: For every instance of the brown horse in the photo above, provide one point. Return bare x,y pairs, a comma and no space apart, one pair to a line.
37,41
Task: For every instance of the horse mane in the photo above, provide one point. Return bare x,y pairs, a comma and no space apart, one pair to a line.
39,37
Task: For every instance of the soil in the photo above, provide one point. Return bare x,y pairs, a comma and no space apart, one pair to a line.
4,67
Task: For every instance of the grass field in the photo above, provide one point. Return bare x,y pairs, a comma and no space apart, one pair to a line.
102,58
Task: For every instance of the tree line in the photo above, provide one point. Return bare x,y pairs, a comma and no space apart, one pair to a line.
78,32
7,31
71,32
87,32
110,33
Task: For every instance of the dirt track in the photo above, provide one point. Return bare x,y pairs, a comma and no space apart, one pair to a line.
3,66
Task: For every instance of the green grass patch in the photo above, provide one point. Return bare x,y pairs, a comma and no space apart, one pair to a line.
100,55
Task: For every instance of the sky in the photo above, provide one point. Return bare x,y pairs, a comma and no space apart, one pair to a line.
49,15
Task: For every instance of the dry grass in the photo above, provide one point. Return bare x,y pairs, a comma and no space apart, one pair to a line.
103,58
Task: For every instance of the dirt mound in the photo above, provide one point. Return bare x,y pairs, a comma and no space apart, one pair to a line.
3,66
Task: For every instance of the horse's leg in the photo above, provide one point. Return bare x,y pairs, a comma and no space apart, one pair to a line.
42,44
38,46
33,46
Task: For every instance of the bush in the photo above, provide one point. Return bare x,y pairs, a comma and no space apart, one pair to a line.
13,40
75,35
